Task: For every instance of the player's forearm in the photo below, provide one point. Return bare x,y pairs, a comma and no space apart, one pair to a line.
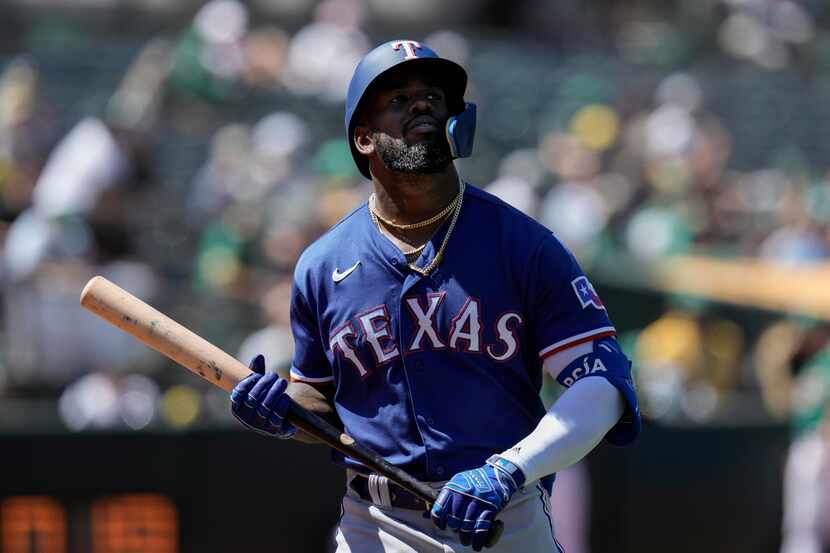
314,400
571,428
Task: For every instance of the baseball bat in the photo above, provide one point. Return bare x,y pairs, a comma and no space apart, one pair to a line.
158,331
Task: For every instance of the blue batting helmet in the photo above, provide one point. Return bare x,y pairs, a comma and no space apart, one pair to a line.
460,127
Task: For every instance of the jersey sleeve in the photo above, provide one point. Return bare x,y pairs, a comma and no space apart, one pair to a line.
566,309
310,363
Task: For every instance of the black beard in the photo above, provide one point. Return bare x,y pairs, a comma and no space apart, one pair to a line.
422,158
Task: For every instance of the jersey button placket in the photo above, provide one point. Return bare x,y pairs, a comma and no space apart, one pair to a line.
411,369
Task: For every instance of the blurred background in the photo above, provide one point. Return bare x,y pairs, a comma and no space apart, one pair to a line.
189,151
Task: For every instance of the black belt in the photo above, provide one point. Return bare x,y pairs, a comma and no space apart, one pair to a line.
398,496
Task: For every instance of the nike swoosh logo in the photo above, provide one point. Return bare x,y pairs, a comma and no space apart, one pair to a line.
337,276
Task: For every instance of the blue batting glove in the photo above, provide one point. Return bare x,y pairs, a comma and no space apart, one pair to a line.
259,402
470,501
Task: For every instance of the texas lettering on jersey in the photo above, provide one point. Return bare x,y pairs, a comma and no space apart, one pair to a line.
373,328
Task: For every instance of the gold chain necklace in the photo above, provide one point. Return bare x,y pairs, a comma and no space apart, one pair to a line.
409,253
420,224
413,251
440,255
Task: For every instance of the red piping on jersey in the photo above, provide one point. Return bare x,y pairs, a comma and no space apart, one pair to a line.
590,338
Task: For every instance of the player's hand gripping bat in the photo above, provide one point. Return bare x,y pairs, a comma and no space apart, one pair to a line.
153,328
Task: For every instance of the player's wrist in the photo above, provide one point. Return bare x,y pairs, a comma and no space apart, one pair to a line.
508,468
522,462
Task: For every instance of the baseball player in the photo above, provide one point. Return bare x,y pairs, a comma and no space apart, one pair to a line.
423,321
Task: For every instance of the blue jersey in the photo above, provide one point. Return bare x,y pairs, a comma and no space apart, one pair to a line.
437,373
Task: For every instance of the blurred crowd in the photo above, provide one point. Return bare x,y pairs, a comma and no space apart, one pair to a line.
198,167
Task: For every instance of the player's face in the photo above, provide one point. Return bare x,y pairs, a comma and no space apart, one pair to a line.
406,120
413,109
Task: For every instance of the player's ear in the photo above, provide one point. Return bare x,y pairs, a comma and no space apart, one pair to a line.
363,141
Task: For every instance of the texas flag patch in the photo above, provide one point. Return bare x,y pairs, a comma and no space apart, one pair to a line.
586,293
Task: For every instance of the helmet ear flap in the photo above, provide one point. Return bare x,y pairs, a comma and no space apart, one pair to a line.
461,130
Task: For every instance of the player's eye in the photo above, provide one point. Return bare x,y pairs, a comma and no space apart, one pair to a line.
398,99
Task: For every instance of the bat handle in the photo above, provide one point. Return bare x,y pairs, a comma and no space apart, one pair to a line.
342,442
320,428
496,530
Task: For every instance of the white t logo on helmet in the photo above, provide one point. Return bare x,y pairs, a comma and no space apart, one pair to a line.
409,47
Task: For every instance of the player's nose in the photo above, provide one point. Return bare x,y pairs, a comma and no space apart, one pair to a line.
420,104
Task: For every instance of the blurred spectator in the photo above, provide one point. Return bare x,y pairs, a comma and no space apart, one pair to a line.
324,53
515,191
687,362
209,57
274,341
266,53
794,360
99,400
576,213
25,134
80,169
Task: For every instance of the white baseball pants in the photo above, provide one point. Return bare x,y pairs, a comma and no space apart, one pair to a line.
366,527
